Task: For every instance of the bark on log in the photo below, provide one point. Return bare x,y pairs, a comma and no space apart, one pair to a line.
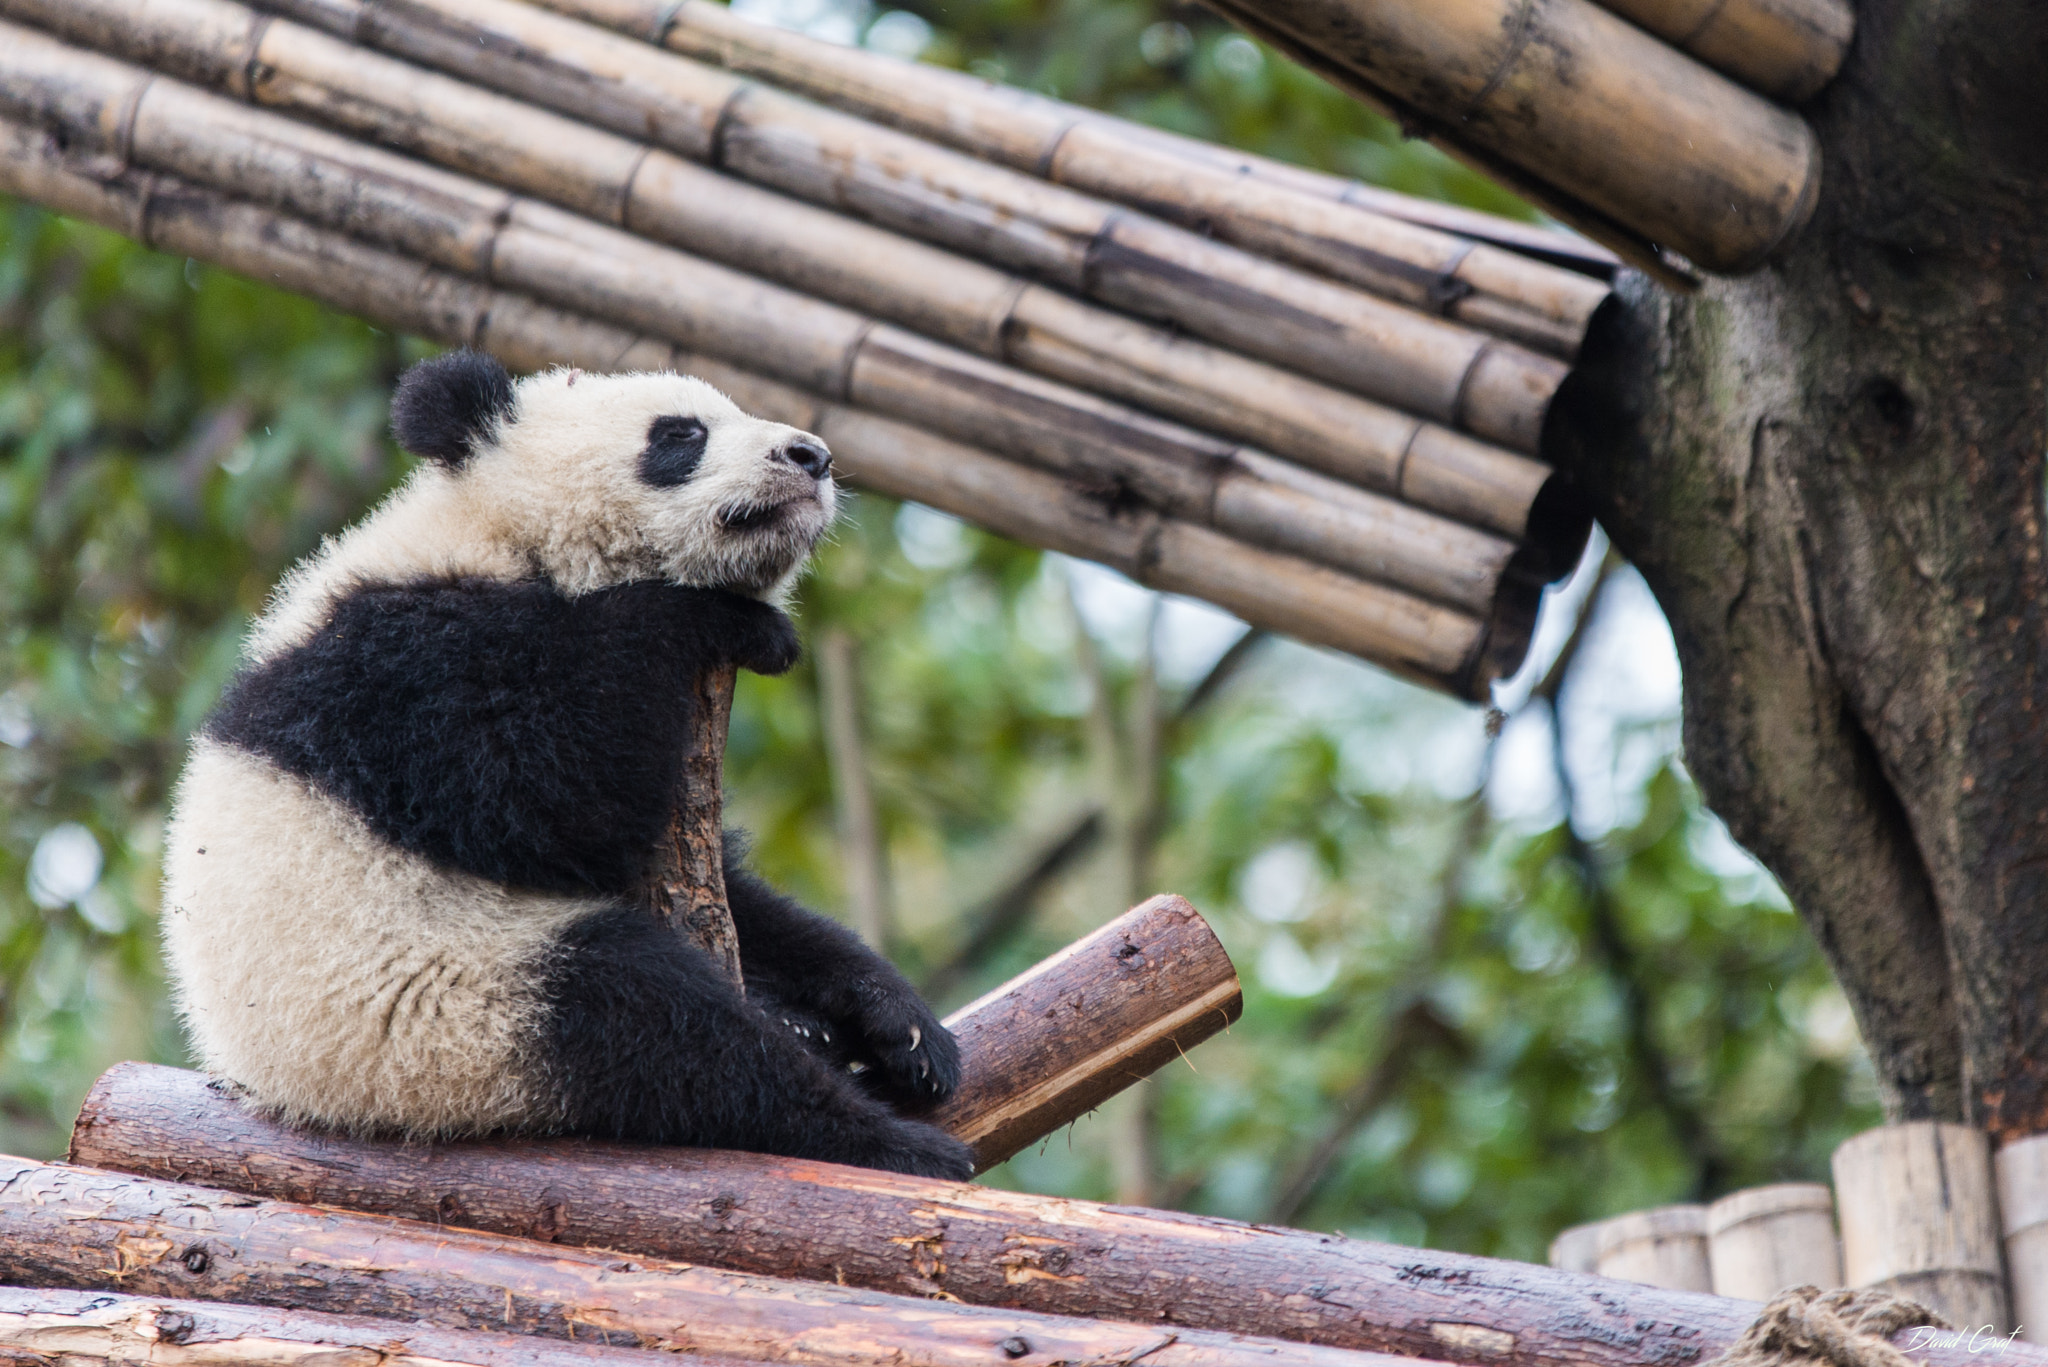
1577,99
53,1328
1434,645
1425,365
687,884
1367,239
773,1217
82,1227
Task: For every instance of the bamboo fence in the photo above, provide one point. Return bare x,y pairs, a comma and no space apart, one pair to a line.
1321,487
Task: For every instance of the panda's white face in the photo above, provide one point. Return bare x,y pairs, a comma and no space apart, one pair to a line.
606,479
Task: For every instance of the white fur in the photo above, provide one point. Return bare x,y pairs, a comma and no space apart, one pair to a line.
344,981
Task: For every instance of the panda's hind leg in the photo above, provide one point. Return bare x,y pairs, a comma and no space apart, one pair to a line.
649,1042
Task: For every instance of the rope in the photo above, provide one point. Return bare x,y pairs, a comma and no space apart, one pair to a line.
1806,1325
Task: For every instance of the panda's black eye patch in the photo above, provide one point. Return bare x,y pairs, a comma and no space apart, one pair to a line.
674,446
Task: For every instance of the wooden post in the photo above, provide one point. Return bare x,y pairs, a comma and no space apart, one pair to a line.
1666,1247
687,886
1769,1239
2022,1172
1919,1216
40,1328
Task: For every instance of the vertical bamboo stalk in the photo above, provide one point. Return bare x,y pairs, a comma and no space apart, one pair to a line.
2022,1172
861,850
1786,49
1767,1239
1919,1214
1666,1247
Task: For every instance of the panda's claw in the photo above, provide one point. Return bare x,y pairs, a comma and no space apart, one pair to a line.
916,1036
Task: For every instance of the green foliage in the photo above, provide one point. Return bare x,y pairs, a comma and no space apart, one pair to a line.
1540,1032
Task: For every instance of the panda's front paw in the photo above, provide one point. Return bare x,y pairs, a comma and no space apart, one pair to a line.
921,1150
759,637
911,1058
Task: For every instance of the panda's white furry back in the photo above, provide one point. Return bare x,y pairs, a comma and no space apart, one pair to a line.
405,870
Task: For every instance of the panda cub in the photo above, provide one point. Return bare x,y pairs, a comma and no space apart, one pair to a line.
403,868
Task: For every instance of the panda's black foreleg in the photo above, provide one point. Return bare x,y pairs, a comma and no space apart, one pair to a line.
821,971
648,1042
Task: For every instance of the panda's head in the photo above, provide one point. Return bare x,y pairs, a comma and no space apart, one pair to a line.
606,479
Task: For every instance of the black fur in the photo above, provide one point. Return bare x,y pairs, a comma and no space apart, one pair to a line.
445,407
848,1001
650,1043
504,729
674,446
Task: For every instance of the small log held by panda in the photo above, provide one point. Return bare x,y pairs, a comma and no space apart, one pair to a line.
78,1328
84,1228
687,886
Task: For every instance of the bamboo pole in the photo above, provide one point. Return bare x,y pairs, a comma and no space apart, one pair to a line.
578,264
86,1228
1765,1240
1369,239
1666,1247
1786,49
2021,1168
1426,365
1422,640
1919,1215
76,1328
863,851
711,115
777,1217
1575,98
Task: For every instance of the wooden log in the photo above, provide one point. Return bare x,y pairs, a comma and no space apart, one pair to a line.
83,1227
686,886
1666,1247
1786,49
2021,1168
1577,1249
75,1328
1357,341
1765,1240
783,1218
583,265
1406,256
1919,1215
1577,98
1432,644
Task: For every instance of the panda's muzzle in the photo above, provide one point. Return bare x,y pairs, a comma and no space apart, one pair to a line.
809,455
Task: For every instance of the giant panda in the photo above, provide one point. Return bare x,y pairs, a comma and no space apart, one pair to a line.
402,860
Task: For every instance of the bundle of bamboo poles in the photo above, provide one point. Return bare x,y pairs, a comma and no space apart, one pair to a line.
1660,127
1339,449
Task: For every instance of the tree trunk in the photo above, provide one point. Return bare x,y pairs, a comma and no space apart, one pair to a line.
687,888
1830,473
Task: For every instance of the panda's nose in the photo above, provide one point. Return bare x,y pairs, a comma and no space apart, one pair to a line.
809,455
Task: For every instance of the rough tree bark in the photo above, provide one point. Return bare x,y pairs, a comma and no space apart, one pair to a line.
1830,473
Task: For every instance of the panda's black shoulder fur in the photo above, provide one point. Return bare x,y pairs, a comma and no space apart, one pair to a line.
505,729
445,407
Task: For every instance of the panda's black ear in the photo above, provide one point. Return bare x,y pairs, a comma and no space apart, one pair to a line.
445,408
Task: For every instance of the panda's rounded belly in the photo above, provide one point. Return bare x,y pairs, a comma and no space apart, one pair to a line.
346,982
